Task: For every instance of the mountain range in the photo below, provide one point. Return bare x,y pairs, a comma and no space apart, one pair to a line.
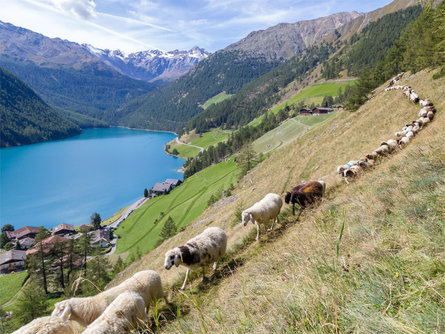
164,90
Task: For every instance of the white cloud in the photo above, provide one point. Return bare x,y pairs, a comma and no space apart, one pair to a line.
85,9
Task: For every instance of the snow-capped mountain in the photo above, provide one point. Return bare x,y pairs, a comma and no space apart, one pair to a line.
22,45
150,65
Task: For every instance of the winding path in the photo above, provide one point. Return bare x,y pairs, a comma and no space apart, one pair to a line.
201,149
127,212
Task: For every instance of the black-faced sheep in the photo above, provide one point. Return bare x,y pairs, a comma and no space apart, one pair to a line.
200,251
263,211
305,193
125,313
146,283
46,325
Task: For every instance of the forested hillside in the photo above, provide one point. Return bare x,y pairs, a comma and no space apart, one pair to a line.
259,95
170,108
25,118
422,45
89,91
365,49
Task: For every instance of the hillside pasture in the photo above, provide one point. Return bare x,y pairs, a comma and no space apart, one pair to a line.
184,203
368,259
216,99
214,136
10,284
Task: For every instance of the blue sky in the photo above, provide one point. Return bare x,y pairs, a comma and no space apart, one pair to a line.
135,25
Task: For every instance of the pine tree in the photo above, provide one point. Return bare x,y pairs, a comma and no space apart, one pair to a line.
31,304
169,229
145,192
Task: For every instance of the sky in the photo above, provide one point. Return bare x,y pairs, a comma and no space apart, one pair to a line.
136,25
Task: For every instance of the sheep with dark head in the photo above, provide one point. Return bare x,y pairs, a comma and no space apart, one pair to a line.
200,251
304,194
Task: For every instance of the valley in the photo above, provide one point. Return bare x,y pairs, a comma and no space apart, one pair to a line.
276,109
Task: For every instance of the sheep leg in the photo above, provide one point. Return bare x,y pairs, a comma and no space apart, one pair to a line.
257,231
293,209
203,274
299,213
215,265
273,222
185,280
346,180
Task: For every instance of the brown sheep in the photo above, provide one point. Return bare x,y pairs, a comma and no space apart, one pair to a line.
304,194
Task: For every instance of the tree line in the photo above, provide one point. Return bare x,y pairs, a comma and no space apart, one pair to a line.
422,45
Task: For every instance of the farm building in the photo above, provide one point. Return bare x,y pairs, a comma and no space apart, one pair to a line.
173,182
23,232
305,112
47,243
161,188
321,110
13,260
63,230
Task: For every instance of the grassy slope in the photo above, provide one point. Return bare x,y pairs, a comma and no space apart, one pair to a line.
183,204
310,94
10,285
216,99
207,139
388,275
212,137
288,131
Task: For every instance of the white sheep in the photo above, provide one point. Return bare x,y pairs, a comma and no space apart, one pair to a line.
125,313
382,150
263,211
46,325
200,251
403,141
85,310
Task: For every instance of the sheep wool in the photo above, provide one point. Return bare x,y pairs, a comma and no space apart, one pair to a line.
46,325
200,251
263,211
146,283
125,313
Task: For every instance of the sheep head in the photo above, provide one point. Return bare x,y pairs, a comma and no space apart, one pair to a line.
172,257
62,310
245,217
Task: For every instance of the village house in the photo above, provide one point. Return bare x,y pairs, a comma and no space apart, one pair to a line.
321,110
47,244
305,112
173,182
100,238
161,188
23,232
63,230
338,107
13,260
26,243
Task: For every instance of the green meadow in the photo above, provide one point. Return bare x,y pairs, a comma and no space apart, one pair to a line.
212,137
216,99
10,284
183,204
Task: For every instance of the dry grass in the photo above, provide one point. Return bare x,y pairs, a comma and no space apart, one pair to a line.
384,274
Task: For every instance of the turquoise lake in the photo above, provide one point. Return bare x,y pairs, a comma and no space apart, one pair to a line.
65,181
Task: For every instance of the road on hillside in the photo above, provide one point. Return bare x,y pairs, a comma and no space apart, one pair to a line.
127,212
201,149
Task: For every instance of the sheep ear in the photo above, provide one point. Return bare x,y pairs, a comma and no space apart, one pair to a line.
177,260
66,314
251,218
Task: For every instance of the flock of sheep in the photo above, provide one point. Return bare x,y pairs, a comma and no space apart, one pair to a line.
403,137
124,307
